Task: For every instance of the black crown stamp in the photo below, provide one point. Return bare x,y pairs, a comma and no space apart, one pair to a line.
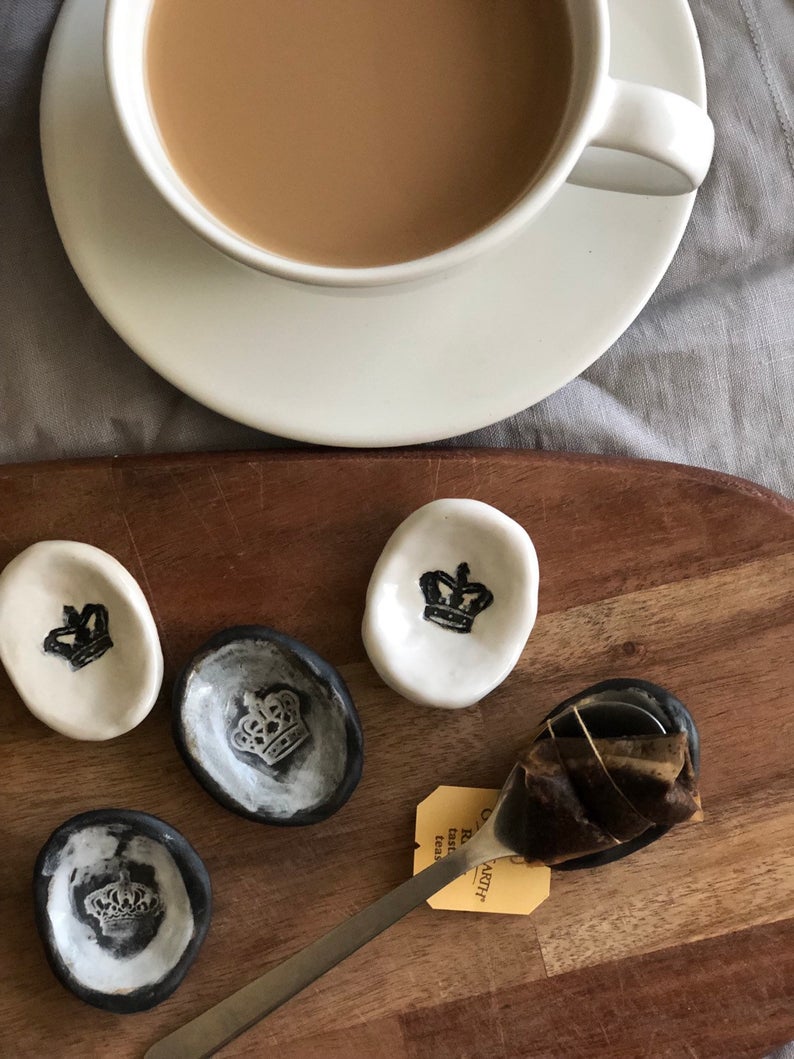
453,602
84,637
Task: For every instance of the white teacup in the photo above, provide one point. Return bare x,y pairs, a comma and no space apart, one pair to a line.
616,135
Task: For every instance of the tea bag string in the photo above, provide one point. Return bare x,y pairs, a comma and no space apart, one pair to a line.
597,755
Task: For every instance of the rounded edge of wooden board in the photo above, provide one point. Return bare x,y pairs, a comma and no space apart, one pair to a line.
682,471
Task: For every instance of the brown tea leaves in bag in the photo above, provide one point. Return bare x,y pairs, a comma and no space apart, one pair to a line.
584,795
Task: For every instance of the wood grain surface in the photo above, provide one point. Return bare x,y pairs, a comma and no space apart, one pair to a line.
684,577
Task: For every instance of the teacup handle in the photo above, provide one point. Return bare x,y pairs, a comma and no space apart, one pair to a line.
647,141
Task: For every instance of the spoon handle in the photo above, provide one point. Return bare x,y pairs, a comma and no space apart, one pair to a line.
238,1012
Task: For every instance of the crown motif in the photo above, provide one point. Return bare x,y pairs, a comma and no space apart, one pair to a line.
453,602
82,638
121,905
271,726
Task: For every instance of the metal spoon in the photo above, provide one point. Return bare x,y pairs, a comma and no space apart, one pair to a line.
497,838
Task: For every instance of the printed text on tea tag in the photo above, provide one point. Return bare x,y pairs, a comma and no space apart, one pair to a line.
451,816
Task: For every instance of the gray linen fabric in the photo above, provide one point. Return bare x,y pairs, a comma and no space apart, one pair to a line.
704,376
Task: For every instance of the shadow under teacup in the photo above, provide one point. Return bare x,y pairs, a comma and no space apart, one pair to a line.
610,134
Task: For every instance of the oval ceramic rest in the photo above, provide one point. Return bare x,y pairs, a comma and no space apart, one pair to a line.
451,603
123,903
268,727
671,716
78,640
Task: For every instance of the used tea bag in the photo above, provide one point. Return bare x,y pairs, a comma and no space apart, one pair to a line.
585,795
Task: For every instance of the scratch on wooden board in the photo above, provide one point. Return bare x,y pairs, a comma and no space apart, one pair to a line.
435,483
222,495
259,468
143,574
194,510
493,989
475,468
541,953
621,981
604,1030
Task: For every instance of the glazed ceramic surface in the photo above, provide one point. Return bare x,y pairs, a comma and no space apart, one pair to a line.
268,727
123,903
78,639
451,603
395,365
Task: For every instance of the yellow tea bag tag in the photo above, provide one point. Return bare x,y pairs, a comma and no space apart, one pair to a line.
451,816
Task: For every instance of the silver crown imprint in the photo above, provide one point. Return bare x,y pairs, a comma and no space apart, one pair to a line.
121,905
271,726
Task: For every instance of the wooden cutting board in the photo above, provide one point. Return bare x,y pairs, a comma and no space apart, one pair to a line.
677,575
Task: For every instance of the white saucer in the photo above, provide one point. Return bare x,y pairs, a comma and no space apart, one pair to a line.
391,366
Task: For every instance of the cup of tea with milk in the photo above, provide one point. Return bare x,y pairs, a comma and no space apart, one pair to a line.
361,142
